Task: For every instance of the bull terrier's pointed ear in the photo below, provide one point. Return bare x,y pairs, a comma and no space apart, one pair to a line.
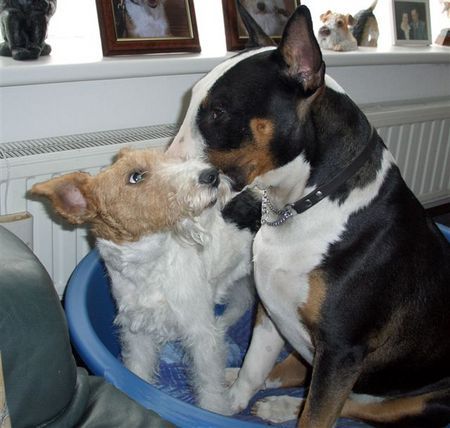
257,37
70,196
301,52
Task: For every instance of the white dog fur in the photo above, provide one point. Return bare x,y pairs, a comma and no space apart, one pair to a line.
270,15
171,257
146,18
335,33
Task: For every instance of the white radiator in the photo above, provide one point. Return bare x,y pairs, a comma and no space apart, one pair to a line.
57,244
417,134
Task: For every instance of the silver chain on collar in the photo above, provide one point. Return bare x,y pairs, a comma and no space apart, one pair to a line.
268,210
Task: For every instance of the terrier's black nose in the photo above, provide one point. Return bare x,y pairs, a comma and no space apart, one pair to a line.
324,31
209,176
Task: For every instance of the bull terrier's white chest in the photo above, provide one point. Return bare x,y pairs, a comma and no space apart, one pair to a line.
282,284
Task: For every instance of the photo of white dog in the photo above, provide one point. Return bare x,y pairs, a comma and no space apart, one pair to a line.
144,18
271,15
170,256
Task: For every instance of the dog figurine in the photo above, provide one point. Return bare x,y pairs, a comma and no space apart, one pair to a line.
170,256
335,32
24,28
365,27
270,15
349,269
143,18
346,32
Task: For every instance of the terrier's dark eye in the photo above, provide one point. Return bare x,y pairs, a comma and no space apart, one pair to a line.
136,177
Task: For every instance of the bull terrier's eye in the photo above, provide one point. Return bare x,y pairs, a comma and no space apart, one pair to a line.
136,177
217,112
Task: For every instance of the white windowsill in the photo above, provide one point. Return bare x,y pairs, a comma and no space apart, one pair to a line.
71,65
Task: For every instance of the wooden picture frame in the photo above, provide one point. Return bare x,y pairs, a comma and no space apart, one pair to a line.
411,21
173,29
272,21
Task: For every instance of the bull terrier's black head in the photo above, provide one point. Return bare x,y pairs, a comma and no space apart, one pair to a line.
253,113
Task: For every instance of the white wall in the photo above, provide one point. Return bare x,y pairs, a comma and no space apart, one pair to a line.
50,99
54,109
76,89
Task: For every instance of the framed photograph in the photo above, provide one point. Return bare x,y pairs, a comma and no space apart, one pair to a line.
411,20
270,15
147,26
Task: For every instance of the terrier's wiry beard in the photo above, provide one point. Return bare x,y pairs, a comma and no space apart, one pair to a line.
192,197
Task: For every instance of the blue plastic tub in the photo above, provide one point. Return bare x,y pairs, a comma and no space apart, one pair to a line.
445,230
90,312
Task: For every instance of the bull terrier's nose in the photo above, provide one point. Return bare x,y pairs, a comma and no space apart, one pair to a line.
209,176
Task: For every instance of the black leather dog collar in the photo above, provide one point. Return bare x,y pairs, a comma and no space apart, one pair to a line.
320,192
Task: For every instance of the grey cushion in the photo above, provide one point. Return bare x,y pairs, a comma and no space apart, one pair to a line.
43,385
39,369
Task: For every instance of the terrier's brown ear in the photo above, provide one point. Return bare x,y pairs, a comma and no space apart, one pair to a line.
301,52
70,195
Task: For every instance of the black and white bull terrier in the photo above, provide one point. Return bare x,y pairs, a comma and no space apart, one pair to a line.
349,269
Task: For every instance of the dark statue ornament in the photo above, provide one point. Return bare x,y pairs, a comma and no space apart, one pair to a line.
24,27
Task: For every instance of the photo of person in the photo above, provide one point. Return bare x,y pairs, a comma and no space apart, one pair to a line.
143,19
418,29
405,27
411,21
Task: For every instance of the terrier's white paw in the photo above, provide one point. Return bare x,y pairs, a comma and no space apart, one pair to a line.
277,409
240,395
231,374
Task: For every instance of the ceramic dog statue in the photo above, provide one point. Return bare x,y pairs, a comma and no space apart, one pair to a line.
365,27
24,27
341,32
335,32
